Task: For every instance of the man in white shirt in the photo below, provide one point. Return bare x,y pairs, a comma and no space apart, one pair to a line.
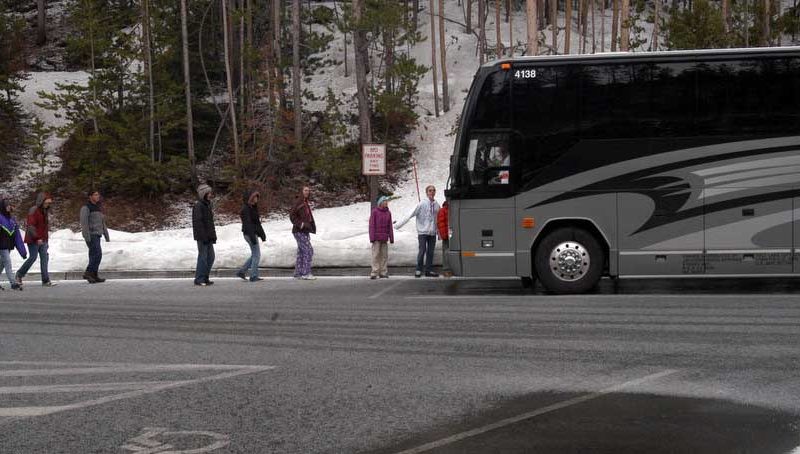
425,213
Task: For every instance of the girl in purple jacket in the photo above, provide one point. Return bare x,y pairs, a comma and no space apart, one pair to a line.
380,234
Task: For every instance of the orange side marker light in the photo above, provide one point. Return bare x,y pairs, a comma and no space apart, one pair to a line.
528,223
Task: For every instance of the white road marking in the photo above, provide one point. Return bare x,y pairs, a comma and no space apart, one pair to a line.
85,387
385,290
139,389
532,414
146,444
117,369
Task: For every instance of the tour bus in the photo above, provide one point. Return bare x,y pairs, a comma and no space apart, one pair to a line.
681,163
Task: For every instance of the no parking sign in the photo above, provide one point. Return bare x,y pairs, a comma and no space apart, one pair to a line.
373,159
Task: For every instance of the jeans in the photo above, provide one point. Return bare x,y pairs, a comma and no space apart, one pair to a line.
34,251
427,244
205,260
255,258
5,262
95,254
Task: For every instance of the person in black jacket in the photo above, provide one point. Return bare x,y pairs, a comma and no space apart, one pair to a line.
204,233
251,228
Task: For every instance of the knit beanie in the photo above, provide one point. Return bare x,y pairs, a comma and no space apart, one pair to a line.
203,190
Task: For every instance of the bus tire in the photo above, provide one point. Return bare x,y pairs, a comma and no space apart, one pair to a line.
569,260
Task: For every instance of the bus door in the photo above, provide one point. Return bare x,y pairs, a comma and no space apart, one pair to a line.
486,211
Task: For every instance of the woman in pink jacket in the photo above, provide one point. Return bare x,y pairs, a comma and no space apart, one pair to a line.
380,234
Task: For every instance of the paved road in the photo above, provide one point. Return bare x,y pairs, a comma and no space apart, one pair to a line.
345,365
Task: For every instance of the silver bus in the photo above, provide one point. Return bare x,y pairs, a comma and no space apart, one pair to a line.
569,168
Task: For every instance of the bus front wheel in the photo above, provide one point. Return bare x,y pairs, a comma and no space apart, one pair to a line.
569,260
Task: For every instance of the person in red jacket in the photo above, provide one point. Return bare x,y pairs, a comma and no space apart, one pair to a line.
444,234
36,236
380,234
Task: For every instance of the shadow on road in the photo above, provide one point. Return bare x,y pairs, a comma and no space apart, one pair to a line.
620,424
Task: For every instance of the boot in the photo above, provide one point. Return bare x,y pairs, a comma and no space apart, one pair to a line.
97,278
89,277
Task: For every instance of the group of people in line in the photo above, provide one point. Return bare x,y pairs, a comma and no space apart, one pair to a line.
431,220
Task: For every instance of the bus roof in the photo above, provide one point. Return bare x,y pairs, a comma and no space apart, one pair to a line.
637,56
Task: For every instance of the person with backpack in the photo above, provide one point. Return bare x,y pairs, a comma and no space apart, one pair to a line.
303,226
93,227
251,228
10,238
380,234
36,236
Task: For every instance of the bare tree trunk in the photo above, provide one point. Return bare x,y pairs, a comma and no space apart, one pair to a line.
603,26
594,40
584,24
229,77
554,24
361,66
188,93
508,10
148,69
765,24
499,37
614,24
269,63
510,32
415,14
746,24
296,76
533,27
468,17
726,16
278,51
481,31
443,55
242,73
433,61
656,12
625,26
567,26
41,24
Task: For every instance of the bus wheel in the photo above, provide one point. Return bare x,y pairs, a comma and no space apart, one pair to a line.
569,260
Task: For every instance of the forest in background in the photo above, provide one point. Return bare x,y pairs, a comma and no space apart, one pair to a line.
218,90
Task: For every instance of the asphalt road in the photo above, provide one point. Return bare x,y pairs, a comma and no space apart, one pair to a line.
349,365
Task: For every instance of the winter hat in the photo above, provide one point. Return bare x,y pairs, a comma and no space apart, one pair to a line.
203,190
382,199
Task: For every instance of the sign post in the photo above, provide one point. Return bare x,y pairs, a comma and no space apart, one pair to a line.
373,164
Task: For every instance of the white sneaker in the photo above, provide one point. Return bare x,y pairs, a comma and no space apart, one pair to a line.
309,277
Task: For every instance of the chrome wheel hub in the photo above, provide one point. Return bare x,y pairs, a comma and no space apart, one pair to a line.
569,261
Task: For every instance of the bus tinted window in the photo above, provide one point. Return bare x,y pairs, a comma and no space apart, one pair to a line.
492,110
672,100
748,97
545,117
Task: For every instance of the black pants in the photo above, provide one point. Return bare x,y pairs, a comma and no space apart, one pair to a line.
95,254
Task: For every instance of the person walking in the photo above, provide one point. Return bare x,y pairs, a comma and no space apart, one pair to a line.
205,234
444,234
303,226
251,228
10,238
380,234
36,236
426,213
93,227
